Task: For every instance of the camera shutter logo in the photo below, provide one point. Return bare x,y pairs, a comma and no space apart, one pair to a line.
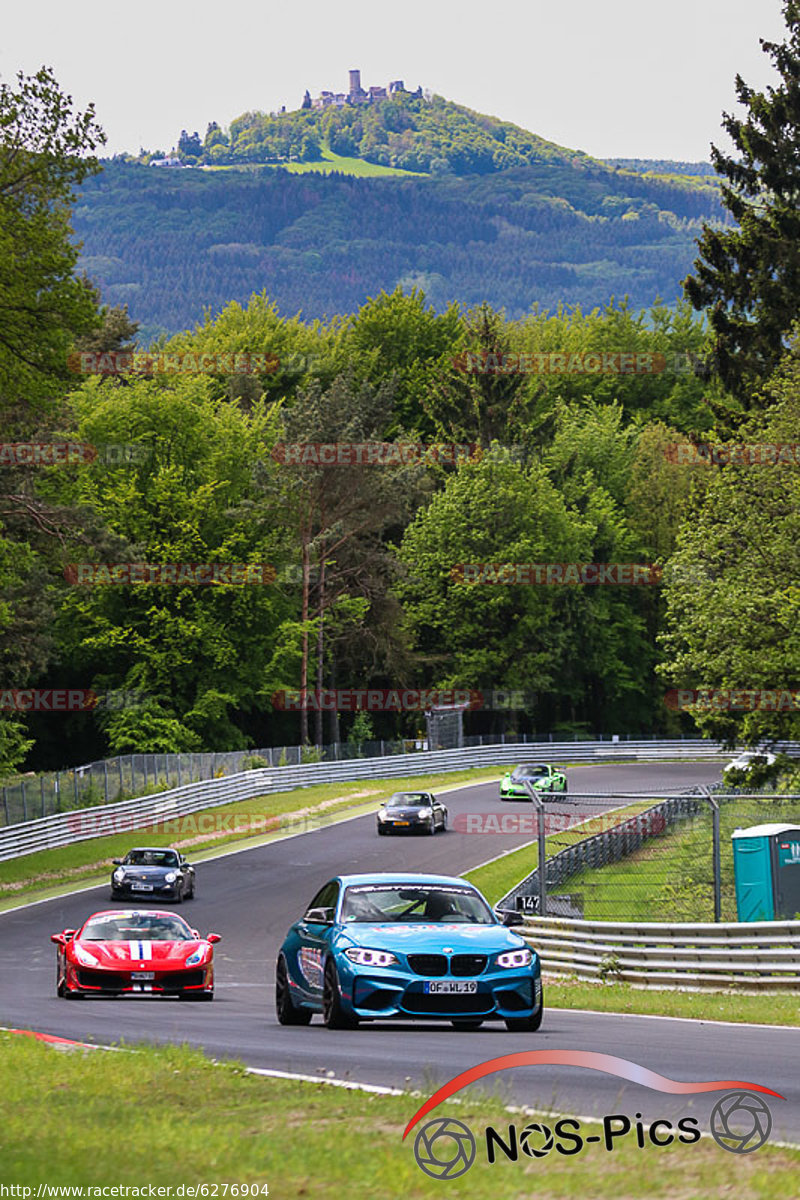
528,1140
444,1148
740,1122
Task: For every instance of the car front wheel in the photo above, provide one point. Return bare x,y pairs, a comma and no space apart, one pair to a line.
287,1013
61,980
526,1024
333,1013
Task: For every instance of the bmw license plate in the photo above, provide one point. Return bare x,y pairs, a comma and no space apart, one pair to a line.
142,887
460,987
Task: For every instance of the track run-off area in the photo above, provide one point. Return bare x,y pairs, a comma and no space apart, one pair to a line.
251,897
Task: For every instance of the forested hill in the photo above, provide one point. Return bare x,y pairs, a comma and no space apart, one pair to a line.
171,243
404,131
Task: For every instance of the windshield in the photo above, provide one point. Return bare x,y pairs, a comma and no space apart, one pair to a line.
529,771
409,902
139,927
409,800
151,858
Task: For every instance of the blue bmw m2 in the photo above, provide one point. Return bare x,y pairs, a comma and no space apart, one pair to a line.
406,946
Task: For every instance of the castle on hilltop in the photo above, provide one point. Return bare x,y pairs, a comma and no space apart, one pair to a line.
357,94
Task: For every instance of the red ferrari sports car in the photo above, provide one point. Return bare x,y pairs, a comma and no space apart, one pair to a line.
120,953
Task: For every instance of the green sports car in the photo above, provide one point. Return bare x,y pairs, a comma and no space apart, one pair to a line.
543,777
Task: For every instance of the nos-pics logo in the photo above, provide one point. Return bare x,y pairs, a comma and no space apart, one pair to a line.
446,1148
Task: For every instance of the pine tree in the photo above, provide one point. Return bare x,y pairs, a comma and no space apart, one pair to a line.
749,277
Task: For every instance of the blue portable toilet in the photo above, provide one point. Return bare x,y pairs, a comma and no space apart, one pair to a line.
766,865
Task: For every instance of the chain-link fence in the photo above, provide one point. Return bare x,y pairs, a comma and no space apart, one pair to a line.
39,795
659,866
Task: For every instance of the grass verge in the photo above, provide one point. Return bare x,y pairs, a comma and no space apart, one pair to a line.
214,830
204,1123
731,1005
674,872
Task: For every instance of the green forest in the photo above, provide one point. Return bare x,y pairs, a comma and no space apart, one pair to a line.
560,229
577,458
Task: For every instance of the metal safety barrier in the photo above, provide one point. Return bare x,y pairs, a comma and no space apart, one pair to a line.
126,776
79,824
758,955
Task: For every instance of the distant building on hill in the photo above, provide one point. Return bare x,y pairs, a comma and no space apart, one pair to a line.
356,94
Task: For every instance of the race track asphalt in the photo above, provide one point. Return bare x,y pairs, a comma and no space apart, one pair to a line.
251,898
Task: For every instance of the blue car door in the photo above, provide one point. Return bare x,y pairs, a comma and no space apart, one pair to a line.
314,932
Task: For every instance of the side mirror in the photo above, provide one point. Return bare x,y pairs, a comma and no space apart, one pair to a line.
213,938
117,862
58,938
319,916
513,918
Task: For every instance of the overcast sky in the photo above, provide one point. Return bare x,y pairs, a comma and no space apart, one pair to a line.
615,78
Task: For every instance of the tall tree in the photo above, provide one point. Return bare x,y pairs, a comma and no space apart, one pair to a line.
732,596
342,511
749,277
45,150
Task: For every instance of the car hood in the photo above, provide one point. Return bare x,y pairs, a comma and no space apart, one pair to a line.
123,954
420,936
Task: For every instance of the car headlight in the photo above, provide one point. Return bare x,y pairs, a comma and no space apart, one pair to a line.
426,813
119,875
515,958
170,877
85,958
370,958
197,957
381,814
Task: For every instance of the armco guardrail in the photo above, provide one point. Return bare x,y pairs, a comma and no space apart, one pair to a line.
762,955
603,848
111,779
80,824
